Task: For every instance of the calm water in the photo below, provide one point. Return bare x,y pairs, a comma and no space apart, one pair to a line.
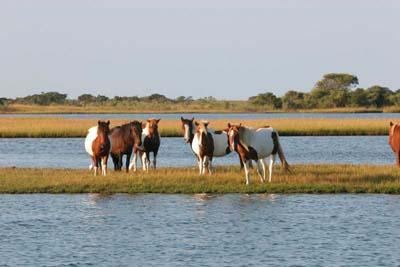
242,116
70,153
185,230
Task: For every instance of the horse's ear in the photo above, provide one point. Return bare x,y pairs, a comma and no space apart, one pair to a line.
196,123
182,119
148,120
108,122
240,125
206,123
229,125
391,124
98,122
192,119
157,121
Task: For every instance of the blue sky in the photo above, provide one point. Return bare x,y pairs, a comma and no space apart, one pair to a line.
225,49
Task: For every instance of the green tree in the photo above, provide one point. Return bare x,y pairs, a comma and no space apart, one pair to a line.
359,98
379,96
266,99
333,90
293,100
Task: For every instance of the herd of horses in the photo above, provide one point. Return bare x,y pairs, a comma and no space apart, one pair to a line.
141,139
260,145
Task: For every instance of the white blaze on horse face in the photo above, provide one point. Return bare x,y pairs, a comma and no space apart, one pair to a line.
232,139
187,134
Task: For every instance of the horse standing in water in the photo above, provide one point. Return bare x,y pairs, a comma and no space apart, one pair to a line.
124,138
150,143
394,140
203,147
220,138
257,145
98,146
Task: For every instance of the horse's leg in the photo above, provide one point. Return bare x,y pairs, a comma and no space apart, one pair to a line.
91,166
128,159
95,164
271,165
247,171
144,162
200,162
155,159
260,169
104,165
264,166
241,163
210,166
115,161
206,162
134,161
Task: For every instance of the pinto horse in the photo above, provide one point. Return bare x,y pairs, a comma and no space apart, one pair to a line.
203,147
220,138
98,146
257,145
394,140
124,138
150,143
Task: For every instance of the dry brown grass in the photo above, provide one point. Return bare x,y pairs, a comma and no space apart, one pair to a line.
61,127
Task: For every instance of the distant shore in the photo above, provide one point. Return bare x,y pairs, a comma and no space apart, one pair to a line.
155,108
55,127
309,179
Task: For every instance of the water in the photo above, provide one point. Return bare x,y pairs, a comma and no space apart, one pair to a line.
70,153
212,116
186,230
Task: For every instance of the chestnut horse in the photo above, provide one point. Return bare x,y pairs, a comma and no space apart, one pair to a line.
150,143
203,147
124,138
257,145
394,140
98,146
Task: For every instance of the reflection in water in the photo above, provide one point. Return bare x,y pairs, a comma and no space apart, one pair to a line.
206,230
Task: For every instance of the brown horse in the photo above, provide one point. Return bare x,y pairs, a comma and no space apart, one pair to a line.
203,147
394,140
124,138
98,145
150,143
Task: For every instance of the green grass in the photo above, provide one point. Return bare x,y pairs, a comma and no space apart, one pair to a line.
312,179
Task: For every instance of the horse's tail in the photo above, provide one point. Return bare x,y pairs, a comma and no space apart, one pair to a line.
278,149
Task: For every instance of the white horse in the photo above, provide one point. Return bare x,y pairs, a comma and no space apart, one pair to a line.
258,145
98,146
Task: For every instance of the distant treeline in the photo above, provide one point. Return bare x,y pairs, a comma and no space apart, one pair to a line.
334,90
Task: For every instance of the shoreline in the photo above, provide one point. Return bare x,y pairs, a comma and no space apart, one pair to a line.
305,179
56,127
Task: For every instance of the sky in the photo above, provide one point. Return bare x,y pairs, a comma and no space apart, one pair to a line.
226,49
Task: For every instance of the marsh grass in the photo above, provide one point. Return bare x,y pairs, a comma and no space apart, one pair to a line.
61,127
304,179
221,106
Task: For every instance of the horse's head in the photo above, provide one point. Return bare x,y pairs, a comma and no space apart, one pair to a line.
202,130
103,130
152,127
233,135
187,129
136,131
103,127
